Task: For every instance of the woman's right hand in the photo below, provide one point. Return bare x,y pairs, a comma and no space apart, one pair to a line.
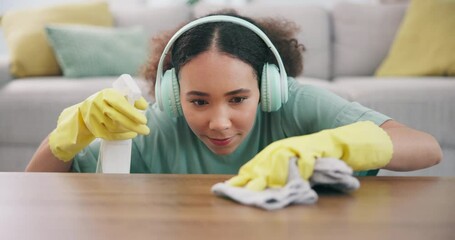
106,114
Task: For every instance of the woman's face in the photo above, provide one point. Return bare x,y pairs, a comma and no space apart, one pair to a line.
219,96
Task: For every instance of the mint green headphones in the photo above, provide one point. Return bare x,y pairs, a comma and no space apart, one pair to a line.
274,85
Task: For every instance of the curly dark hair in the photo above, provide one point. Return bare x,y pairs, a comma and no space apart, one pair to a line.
230,38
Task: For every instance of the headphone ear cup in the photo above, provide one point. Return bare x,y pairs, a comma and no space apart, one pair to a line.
270,88
170,94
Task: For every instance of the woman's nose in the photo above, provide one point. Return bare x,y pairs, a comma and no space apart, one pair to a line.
220,120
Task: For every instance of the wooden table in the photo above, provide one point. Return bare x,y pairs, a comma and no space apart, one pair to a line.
95,206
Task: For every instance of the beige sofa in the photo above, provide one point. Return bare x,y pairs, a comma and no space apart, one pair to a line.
345,45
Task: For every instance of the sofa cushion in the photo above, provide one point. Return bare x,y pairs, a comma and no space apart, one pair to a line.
323,84
363,34
425,43
30,107
15,157
153,19
312,20
425,103
87,51
29,50
5,75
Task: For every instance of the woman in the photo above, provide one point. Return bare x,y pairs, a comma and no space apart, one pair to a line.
227,103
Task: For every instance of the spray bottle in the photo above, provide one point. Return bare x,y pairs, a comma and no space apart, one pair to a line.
115,156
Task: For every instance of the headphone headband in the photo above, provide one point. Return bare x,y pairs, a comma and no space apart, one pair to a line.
221,18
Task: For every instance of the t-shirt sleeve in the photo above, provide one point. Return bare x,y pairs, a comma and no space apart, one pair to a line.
311,109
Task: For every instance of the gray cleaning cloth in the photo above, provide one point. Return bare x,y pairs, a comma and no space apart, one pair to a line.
297,190
334,173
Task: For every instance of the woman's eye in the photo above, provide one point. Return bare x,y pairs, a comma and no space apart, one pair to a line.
238,99
198,102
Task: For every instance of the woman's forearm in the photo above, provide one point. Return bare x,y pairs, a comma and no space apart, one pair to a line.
412,149
44,161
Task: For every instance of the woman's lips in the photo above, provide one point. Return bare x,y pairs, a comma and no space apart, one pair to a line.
220,142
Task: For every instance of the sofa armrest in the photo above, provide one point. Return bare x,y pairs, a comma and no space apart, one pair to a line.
5,75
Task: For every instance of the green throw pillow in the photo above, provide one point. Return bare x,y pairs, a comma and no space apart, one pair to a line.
87,51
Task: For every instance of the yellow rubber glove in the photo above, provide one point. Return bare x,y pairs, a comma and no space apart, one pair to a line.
106,114
362,145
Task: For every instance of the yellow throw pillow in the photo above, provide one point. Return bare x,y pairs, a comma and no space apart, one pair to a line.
425,42
24,30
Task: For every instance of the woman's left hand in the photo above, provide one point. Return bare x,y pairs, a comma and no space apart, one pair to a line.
362,145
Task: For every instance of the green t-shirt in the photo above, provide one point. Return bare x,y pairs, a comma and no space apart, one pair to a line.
171,146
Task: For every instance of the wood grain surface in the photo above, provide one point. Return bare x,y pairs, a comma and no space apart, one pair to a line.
136,206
